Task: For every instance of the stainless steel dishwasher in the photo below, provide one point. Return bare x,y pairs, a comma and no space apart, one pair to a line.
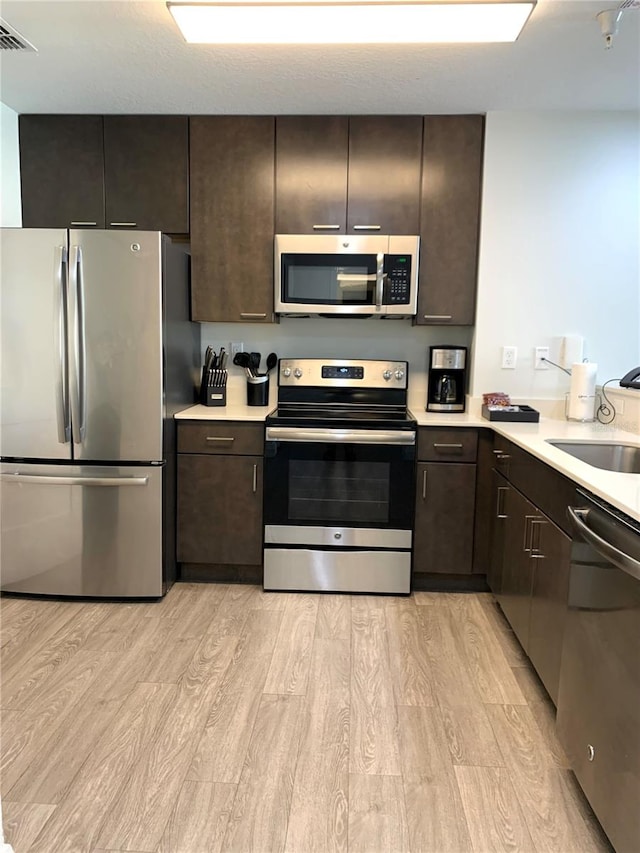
599,698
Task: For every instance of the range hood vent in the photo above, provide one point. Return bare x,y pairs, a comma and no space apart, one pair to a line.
11,39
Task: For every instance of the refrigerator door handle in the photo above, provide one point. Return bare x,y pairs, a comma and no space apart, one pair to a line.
79,383
60,338
48,480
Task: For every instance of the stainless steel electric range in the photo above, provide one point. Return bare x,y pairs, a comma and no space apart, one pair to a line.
340,478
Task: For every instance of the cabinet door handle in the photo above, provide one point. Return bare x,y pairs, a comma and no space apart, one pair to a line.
326,227
424,485
218,438
84,224
526,542
255,479
123,224
437,316
447,446
253,316
366,227
535,549
500,513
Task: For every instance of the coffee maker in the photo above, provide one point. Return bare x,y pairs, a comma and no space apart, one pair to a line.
447,383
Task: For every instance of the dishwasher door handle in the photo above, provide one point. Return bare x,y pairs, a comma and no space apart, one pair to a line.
626,562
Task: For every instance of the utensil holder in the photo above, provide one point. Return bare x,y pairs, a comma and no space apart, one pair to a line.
258,390
213,388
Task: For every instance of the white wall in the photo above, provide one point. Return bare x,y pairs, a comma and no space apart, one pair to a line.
314,338
560,246
10,212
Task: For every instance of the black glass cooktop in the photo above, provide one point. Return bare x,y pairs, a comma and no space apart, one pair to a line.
348,417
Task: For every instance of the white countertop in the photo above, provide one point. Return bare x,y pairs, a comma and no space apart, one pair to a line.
620,490
230,412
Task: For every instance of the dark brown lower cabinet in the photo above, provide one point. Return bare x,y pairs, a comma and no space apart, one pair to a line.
517,568
497,531
551,556
530,578
219,513
445,501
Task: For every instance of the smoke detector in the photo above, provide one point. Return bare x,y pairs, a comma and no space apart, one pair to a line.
610,18
11,39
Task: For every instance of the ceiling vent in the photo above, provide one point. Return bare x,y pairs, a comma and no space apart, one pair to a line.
11,39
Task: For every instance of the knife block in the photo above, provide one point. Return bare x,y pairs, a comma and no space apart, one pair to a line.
213,388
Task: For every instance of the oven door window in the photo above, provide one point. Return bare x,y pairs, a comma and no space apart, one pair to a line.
339,485
329,279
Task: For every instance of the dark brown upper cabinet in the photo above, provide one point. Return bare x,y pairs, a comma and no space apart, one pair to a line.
339,174
146,164
384,174
61,171
111,171
449,217
311,174
232,217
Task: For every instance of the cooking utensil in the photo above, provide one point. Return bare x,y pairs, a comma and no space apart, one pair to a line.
254,362
272,360
241,359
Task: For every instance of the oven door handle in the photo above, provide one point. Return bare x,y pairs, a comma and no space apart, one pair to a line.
340,436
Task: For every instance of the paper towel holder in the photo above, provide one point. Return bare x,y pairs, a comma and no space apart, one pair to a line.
597,401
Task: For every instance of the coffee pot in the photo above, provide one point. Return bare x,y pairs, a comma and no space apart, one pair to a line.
447,379
446,391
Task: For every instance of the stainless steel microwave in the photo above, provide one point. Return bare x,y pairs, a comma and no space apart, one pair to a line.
346,275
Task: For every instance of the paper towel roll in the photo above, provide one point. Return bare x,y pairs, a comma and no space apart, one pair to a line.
582,394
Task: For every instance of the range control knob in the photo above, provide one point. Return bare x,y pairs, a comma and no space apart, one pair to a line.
286,371
399,374
297,373
386,375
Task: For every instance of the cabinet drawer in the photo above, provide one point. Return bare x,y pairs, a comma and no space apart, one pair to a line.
228,437
545,487
442,445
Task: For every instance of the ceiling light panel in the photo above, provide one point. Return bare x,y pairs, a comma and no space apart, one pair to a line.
297,22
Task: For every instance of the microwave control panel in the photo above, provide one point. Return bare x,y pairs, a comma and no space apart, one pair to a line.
397,282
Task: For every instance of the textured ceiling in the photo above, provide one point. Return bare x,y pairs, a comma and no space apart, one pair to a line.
104,56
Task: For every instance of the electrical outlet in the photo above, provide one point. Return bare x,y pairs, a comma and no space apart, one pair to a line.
541,354
236,346
509,357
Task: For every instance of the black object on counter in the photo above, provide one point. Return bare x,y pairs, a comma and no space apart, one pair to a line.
515,414
258,390
213,388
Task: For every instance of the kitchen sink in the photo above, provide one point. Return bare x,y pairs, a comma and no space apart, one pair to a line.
624,458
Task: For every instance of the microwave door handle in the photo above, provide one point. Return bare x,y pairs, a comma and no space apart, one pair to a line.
379,281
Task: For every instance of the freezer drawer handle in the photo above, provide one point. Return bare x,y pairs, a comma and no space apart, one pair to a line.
46,480
626,562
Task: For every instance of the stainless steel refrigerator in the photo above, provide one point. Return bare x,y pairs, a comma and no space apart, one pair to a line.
98,353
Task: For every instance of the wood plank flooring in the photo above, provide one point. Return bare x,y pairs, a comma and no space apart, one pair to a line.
224,718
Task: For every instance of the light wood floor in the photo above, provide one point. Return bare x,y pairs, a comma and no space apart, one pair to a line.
225,718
